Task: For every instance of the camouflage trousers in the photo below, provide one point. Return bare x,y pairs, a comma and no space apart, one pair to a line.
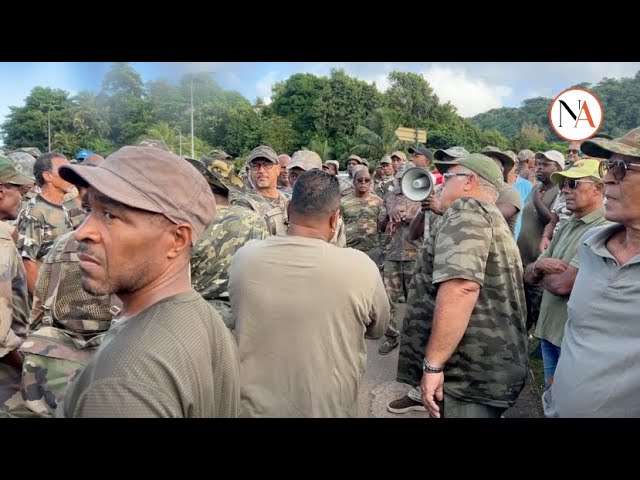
224,309
533,295
49,366
397,276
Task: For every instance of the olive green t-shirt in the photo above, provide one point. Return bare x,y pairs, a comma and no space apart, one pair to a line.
510,195
175,359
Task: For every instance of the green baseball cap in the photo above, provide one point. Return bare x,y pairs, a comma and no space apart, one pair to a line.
579,169
476,162
9,174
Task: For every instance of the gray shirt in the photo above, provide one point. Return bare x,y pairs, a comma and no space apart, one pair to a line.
598,374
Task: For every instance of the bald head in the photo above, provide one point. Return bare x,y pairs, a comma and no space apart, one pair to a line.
94,160
283,179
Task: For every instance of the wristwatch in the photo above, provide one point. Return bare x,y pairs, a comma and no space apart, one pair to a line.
427,367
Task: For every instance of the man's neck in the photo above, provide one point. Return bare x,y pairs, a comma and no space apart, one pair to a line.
586,211
166,286
270,192
221,200
52,195
362,195
296,230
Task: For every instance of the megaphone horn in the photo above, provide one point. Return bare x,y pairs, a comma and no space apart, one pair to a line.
417,183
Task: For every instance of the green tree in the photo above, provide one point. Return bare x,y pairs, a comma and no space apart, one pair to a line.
27,126
241,131
295,99
278,133
321,147
377,137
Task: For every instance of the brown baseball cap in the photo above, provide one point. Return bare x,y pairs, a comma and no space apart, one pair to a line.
151,179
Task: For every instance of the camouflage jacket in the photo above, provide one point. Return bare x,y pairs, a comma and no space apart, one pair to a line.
346,186
397,248
384,186
60,302
211,256
361,221
14,303
39,224
473,242
274,211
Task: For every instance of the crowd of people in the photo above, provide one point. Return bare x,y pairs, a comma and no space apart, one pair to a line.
151,285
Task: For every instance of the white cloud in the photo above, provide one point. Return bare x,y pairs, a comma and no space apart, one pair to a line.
263,86
470,95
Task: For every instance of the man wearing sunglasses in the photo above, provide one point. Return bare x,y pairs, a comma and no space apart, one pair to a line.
597,374
556,268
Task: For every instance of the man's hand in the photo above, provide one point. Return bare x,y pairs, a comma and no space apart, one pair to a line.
544,266
432,202
397,214
431,390
544,244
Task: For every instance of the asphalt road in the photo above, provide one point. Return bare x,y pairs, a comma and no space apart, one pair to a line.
379,386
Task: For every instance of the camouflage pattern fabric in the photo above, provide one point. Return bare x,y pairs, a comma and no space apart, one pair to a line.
397,248
39,224
490,363
360,216
14,302
23,162
211,256
346,186
628,144
386,185
51,363
397,277
273,211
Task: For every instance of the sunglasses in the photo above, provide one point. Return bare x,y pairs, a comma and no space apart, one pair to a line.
576,152
618,168
572,183
256,166
363,180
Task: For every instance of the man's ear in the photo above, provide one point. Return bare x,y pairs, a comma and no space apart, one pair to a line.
181,240
333,220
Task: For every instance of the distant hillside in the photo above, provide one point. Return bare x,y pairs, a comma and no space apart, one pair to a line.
620,100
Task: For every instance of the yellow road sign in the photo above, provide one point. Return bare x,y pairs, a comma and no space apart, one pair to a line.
411,134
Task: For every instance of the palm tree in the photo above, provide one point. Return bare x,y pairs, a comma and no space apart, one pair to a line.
322,148
377,136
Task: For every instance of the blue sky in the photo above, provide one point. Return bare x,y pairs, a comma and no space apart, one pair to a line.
473,87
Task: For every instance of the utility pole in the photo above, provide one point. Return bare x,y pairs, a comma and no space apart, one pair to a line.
49,126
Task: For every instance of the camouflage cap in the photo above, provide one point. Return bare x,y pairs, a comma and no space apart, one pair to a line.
455,152
525,154
306,160
628,144
150,142
356,158
477,162
495,152
335,163
218,173
401,155
385,160
552,156
262,151
9,174
580,169
365,162
23,162
33,151
218,155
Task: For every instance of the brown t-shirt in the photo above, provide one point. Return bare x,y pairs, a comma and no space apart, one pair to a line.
175,359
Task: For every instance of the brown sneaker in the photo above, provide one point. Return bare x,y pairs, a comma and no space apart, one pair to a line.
387,346
404,405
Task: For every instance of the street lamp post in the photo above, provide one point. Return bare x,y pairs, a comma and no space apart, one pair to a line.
49,127
193,153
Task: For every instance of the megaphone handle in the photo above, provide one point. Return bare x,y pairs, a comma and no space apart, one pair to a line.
426,226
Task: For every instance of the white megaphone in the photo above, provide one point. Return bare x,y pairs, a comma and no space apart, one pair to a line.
417,183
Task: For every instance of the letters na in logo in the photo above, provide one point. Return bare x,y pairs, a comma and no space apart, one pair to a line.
576,114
